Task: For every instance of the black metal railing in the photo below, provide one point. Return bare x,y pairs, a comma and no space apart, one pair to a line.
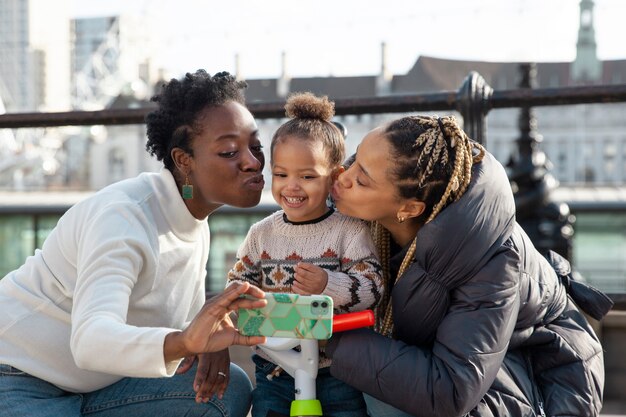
473,100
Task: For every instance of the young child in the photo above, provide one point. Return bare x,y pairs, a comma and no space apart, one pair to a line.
308,248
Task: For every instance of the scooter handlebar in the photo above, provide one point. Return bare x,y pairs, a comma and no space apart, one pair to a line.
349,321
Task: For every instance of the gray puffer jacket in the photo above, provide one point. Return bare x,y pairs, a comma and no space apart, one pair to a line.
483,324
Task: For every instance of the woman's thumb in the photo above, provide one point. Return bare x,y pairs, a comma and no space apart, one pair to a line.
248,340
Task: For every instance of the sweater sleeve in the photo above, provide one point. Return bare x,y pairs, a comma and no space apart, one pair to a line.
451,377
247,268
358,285
113,250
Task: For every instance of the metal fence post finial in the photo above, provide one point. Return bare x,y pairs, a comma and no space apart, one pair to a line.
473,101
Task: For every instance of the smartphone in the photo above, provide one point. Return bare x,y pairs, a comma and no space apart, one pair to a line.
289,315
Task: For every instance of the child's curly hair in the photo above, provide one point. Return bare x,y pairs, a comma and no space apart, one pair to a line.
311,120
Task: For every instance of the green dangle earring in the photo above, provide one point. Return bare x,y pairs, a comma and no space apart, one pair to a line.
187,189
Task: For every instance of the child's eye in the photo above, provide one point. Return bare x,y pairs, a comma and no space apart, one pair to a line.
279,174
358,182
308,177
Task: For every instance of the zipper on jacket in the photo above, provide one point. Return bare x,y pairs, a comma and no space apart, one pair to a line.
538,400
542,413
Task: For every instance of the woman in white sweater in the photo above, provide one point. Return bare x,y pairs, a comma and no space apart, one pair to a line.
99,320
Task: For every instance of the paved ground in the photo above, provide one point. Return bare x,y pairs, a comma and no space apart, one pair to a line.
241,356
614,409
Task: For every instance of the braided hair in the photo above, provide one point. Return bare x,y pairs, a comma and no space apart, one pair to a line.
311,120
433,159
176,120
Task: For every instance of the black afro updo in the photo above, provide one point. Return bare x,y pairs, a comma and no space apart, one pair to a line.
173,123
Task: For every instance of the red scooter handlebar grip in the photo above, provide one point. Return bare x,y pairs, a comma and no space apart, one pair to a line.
349,321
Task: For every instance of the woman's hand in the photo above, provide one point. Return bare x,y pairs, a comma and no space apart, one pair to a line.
212,329
212,375
310,279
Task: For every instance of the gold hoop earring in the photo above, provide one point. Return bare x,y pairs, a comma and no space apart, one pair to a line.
187,189
400,218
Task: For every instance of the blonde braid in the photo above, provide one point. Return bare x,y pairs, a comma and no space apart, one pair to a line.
462,172
464,180
381,238
430,139
440,144
453,184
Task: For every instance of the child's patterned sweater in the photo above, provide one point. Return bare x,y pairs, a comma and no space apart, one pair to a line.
340,244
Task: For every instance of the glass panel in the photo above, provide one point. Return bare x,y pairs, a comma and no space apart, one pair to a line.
17,241
45,224
228,230
599,246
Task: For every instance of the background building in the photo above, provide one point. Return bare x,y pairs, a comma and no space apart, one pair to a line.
110,56
35,55
51,63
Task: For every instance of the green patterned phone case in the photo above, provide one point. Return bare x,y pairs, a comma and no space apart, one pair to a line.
289,315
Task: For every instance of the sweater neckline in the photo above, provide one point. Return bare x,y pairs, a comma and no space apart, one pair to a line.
313,221
182,223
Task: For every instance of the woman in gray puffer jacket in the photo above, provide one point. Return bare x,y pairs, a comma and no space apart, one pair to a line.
477,322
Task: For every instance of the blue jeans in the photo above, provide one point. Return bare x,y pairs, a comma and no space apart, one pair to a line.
24,395
338,399
377,408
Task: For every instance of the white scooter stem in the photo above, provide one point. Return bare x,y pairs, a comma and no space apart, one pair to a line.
302,366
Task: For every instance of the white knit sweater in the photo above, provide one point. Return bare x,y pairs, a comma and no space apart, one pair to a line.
121,270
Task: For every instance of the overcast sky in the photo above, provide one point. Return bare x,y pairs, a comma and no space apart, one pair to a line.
343,37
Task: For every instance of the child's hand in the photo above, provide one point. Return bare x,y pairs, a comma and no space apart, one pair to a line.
310,279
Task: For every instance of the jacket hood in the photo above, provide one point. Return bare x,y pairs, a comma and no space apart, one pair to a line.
451,249
464,236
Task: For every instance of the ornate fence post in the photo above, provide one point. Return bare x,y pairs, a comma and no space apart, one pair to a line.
473,102
548,223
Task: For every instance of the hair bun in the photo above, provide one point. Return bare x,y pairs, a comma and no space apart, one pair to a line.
309,106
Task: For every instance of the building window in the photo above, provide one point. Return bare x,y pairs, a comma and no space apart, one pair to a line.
562,163
554,81
589,175
610,152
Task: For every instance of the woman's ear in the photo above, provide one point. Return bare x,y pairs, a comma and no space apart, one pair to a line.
182,160
411,209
